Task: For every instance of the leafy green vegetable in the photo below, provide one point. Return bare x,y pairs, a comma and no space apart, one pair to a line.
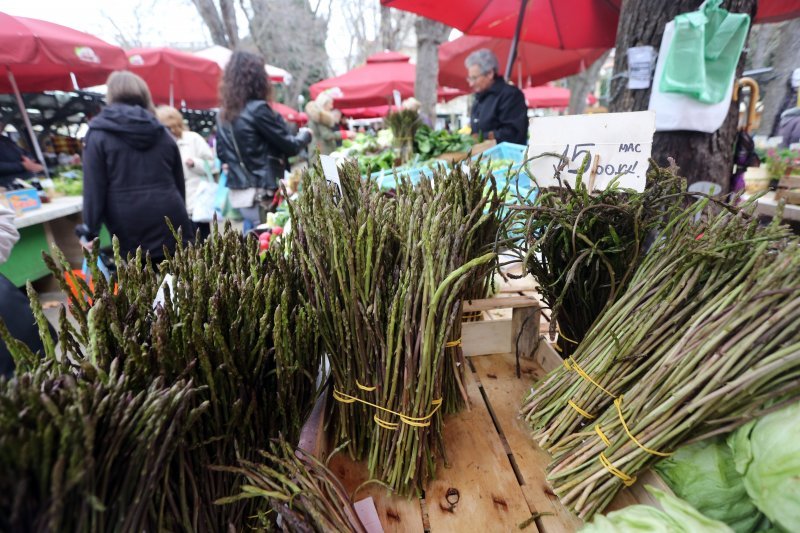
677,517
704,475
767,453
430,143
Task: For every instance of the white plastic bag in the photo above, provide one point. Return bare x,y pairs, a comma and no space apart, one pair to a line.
205,200
675,112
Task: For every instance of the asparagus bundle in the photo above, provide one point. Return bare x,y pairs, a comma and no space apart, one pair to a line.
404,124
387,276
300,490
734,363
86,451
235,323
681,281
582,248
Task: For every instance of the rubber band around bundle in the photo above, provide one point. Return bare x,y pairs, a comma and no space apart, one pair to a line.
453,344
571,364
626,479
602,435
365,387
580,411
420,421
618,405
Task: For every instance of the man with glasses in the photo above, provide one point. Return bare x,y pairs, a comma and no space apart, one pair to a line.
499,111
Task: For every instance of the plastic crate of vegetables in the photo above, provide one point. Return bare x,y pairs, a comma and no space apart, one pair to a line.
505,161
386,178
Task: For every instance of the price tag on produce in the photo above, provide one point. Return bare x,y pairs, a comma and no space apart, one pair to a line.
618,144
331,173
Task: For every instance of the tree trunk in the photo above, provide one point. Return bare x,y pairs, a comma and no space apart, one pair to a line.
387,37
228,12
700,156
580,85
430,34
777,94
208,11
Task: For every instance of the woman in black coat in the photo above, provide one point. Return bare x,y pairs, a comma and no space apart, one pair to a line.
252,138
132,172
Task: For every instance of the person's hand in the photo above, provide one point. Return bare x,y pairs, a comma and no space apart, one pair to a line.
31,165
190,163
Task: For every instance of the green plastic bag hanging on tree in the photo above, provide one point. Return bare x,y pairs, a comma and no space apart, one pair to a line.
702,59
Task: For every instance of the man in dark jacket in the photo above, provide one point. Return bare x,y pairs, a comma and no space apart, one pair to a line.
499,110
14,162
133,174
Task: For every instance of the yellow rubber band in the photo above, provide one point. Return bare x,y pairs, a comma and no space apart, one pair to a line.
602,435
566,364
626,479
618,405
453,344
470,315
580,411
587,377
557,348
384,424
365,387
421,421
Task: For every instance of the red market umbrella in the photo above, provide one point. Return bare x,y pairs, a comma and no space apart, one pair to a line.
372,84
367,112
289,114
550,96
175,76
42,56
534,62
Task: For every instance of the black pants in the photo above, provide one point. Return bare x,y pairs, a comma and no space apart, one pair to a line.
205,229
15,311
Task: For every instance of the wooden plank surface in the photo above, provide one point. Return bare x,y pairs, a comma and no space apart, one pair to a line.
485,337
489,496
505,393
397,514
500,302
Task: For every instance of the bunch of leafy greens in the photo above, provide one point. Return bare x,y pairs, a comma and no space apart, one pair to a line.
430,143
704,475
767,454
677,517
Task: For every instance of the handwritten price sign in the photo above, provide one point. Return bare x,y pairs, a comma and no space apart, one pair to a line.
621,142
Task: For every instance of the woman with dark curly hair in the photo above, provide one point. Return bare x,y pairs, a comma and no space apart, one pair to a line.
252,139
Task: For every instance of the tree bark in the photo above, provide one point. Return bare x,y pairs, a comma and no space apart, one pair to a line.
700,156
208,11
387,37
778,93
226,8
580,85
430,34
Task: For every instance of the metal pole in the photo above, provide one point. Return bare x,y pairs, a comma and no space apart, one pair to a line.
512,54
171,89
27,121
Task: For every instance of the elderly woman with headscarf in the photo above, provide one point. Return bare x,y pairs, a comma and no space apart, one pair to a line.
324,123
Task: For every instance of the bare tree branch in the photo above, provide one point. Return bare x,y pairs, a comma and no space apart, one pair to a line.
208,11
228,13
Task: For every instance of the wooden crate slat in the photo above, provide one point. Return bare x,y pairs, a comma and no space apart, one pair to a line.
490,498
397,514
505,393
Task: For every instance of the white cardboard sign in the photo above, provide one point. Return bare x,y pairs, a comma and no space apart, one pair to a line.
622,143
331,172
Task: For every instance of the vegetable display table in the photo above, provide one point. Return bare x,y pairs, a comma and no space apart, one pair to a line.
768,206
53,223
494,475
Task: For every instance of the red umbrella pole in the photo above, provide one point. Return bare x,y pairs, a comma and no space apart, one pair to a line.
27,120
512,54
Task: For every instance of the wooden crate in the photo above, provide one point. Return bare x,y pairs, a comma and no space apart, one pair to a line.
492,462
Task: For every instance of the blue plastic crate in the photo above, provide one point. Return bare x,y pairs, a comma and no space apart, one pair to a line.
386,178
515,152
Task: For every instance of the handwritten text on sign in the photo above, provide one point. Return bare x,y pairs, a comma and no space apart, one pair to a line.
622,142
